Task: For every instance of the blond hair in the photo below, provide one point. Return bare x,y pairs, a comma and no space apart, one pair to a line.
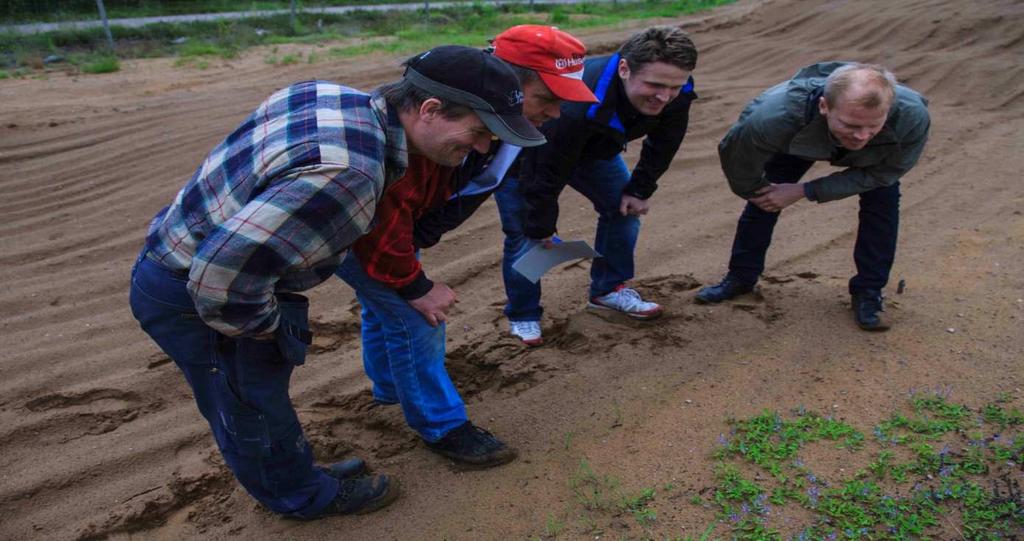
876,84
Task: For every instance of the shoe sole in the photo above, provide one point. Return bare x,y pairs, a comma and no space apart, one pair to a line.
533,342
881,327
461,463
384,500
639,316
701,300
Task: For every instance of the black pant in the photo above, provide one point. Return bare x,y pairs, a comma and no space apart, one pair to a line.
873,253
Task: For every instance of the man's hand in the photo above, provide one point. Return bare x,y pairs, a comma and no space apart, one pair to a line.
547,242
775,197
633,206
435,304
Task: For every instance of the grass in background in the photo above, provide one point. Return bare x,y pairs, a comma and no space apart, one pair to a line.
389,32
30,11
108,64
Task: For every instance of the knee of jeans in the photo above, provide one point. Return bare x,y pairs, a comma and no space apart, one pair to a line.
515,243
247,433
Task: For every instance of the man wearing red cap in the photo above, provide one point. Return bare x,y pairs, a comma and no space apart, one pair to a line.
644,91
404,312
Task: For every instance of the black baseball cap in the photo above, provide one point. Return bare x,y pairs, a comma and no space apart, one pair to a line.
480,81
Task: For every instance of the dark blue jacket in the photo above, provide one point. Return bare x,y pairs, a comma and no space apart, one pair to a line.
599,131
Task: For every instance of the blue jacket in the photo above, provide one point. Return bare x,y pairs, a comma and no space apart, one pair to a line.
599,131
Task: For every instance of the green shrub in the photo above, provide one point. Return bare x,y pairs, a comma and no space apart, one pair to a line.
108,64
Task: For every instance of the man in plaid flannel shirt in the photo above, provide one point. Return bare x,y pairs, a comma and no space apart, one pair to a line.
271,212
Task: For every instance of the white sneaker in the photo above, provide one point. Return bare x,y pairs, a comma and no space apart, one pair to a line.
527,331
627,301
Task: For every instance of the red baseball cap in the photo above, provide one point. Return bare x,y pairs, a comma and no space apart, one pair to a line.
555,55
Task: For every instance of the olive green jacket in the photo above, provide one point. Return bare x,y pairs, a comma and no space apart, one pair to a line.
785,119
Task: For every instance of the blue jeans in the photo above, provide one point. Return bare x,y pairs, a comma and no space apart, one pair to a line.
241,388
600,181
874,251
404,356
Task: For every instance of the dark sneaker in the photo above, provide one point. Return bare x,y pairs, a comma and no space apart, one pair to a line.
473,446
346,469
728,288
866,306
361,495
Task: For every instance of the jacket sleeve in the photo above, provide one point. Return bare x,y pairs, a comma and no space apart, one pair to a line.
295,223
544,172
745,150
660,147
856,180
436,222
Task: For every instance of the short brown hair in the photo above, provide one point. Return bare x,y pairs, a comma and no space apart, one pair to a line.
668,44
878,85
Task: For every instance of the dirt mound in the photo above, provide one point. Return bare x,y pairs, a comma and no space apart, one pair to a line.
101,438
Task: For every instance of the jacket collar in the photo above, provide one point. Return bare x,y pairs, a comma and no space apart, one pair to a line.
608,89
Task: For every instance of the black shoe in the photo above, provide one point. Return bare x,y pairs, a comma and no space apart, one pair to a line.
360,495
728,288
346,469
866,306
473,446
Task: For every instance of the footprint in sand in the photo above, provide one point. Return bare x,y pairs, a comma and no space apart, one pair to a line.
97,411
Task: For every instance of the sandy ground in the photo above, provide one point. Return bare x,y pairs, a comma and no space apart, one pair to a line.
99,437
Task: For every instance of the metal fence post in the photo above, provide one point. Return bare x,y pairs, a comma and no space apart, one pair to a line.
106,24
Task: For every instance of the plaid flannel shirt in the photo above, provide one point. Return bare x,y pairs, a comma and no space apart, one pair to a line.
388,253
276,204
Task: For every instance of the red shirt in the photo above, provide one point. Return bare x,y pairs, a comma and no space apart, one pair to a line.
387,253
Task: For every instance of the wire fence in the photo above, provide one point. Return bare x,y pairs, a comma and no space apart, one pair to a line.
13,12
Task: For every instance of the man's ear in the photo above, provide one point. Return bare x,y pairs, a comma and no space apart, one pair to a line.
429,109
822,106
623,69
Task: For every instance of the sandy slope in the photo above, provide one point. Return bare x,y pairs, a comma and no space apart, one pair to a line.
98,434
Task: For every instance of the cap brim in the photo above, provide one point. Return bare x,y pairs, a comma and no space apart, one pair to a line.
568,88
512,129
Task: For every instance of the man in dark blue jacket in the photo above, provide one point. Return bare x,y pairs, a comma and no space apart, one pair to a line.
644,89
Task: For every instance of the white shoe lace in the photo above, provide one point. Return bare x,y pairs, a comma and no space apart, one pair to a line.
527,330
627,300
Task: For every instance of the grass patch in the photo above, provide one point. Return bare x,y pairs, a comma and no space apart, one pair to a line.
603,495
4,74
207,48
958,462
388,32
107,64
935,469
